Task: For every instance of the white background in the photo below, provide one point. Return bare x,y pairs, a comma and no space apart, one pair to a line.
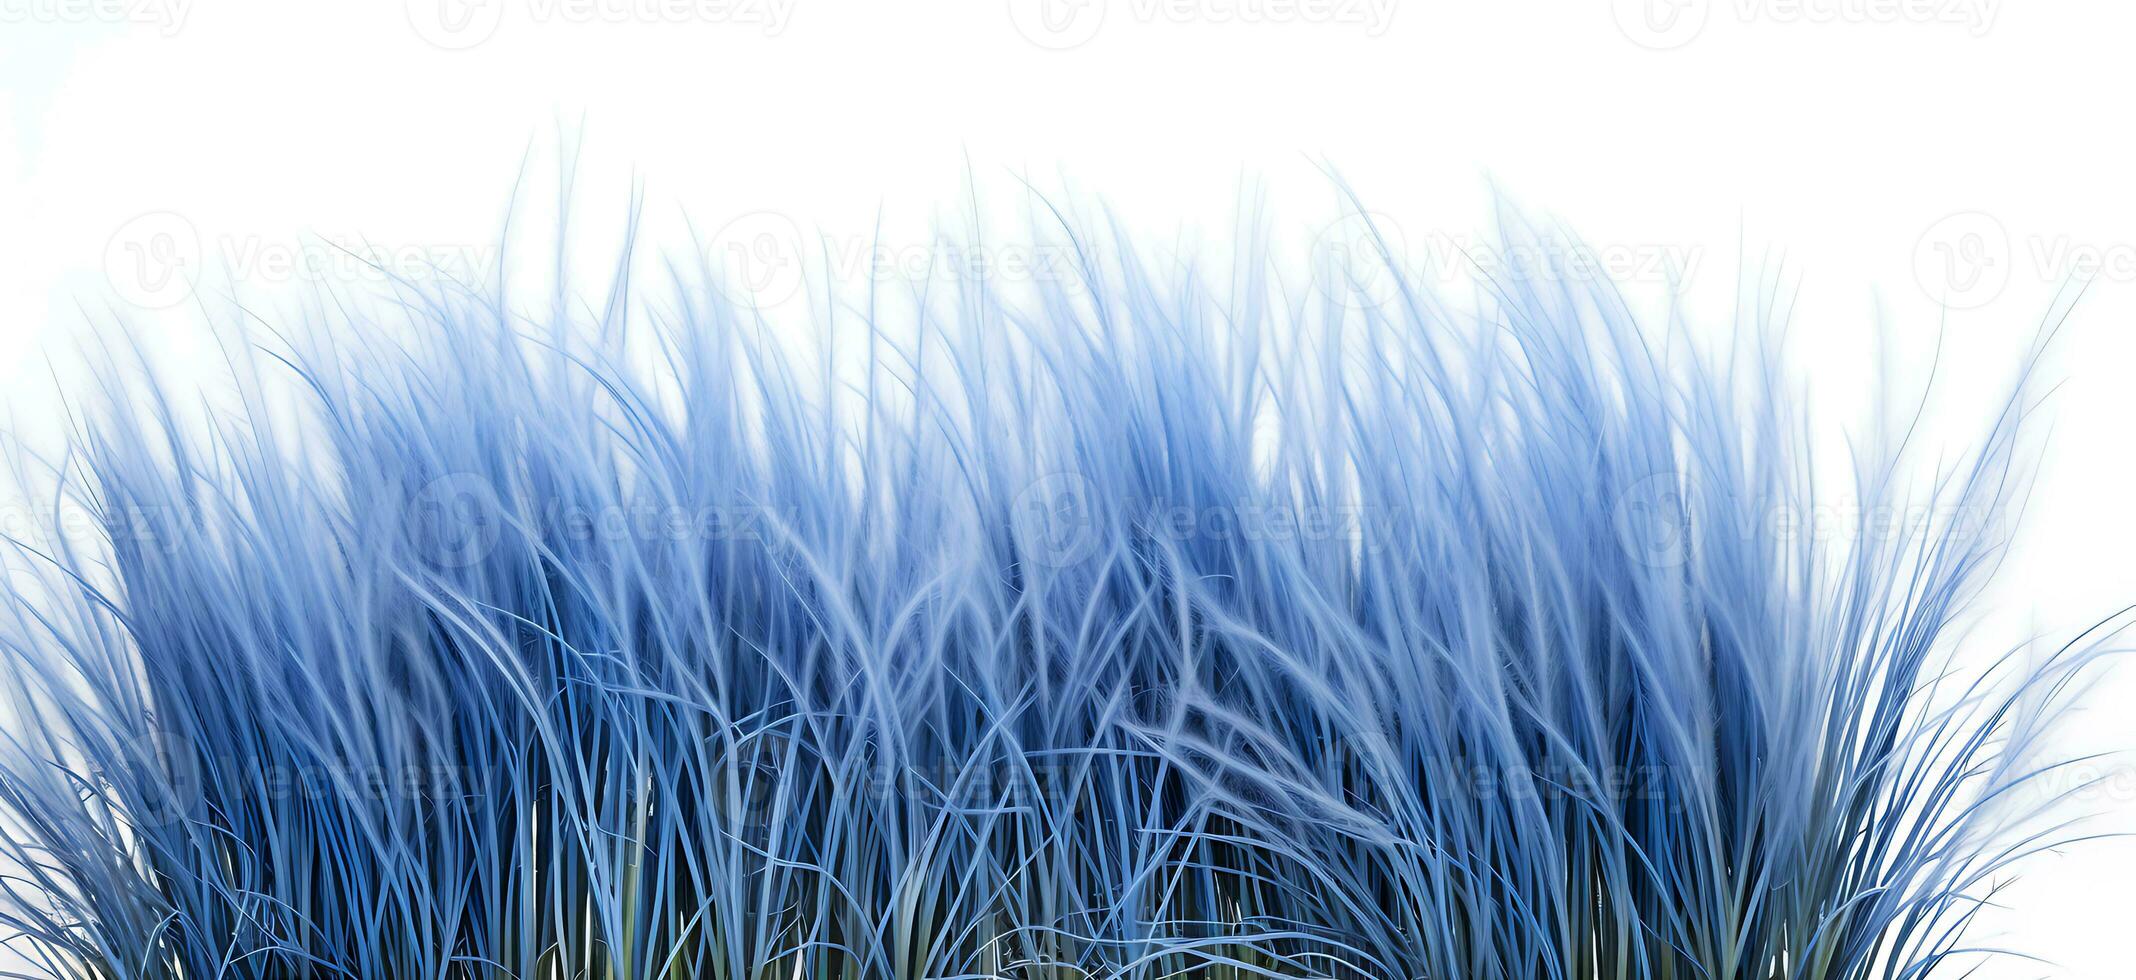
1913,166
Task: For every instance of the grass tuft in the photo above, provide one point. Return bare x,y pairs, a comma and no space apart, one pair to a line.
1130,624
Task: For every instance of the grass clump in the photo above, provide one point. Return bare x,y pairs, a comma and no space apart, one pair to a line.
1126,625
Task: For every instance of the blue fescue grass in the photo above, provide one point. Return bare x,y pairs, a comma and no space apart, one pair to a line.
1135,625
